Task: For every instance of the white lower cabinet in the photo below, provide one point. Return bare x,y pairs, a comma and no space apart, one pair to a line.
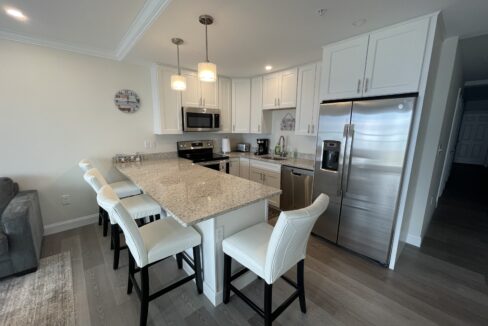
268,174
234,167
166,102
244,168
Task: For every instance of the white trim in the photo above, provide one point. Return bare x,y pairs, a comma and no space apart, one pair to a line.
414,240
476,83
70,224
146,16
55,45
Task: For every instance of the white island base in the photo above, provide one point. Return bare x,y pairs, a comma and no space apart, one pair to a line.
213,232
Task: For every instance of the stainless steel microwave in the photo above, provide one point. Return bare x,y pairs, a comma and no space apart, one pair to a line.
200,119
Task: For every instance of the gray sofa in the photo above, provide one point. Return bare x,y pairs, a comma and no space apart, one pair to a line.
21,229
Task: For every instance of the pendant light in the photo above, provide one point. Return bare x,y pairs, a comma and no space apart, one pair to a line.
207,71
178,82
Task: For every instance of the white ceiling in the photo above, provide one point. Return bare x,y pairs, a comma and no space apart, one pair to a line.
246,35
475,58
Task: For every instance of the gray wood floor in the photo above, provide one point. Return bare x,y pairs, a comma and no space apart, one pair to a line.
432,285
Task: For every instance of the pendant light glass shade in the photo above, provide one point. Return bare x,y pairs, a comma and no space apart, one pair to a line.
178,82
207,72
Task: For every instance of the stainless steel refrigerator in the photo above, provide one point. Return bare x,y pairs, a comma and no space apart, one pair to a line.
360,158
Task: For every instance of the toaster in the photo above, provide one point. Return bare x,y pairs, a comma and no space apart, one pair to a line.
243,147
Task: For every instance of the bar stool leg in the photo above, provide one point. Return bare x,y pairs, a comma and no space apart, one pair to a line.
179,260
100,215
131,272
301,286
198,269
144,295
105,224
268,294
227,265
116,242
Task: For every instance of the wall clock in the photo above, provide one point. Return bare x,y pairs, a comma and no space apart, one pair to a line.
127,101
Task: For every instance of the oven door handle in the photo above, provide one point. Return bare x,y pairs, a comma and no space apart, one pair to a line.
212,162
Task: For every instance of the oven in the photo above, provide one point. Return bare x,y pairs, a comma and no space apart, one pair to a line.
200,119
222,166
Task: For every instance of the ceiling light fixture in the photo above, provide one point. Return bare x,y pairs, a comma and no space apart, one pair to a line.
268,67
322,11
178,82
16,13
207,71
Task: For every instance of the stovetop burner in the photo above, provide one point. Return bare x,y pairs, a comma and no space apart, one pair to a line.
199,151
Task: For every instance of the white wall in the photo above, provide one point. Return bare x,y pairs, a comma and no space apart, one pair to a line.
304,144
434,135
56,108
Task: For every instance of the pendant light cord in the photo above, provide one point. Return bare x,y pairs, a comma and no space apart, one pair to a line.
206,43
178,58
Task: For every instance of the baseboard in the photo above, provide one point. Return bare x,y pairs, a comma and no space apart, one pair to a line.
414,240
70,224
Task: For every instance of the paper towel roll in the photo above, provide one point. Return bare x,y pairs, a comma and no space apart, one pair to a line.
225,145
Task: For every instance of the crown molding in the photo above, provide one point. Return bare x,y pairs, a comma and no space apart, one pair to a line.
145,18
56,45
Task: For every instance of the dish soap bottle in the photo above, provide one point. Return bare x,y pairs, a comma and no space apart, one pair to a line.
277,150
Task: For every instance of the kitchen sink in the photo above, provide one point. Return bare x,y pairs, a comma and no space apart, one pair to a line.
276,158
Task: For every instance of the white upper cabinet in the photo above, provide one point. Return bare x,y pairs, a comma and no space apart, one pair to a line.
225,100
199,94
280,90
385,62
307,99
395,58
166,102
343,67
257,105
241,105
288,96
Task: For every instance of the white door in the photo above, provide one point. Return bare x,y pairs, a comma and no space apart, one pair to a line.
225,90
451,145
288,96
256,105
343,66
472,144
305,99
192,95
210,94
271,90
167,102
395,59
241,105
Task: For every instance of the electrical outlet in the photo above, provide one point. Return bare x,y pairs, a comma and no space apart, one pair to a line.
65,200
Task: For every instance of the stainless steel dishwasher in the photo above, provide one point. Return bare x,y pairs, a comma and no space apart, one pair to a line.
296,185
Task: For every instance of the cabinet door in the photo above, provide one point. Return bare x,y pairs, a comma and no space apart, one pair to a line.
244,168
241,105
257,105
166,102
271,90
225,90
395,59
256,175
316,105
234,167
306,99
192,95
210,94
343,66
288,95
273,179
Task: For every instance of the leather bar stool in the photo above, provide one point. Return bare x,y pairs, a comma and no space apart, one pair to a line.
270,252
139,207
151,244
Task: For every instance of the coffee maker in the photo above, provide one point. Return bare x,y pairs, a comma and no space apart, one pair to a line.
263,146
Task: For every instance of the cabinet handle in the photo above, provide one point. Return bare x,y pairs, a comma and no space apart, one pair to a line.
259,128
275,102
278,101
308,130
359,85
366,85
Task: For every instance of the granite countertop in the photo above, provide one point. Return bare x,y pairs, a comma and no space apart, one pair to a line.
193,193
300,163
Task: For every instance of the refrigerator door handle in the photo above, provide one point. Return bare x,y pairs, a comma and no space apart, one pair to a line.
351,137
341,168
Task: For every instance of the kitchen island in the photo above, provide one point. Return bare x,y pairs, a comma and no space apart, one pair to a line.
216,204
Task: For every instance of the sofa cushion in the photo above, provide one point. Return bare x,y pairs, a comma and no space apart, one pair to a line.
8,190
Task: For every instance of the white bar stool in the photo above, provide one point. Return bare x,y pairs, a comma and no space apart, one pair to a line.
139,207
270,252
151,244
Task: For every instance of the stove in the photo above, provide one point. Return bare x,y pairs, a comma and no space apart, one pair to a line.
201,152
